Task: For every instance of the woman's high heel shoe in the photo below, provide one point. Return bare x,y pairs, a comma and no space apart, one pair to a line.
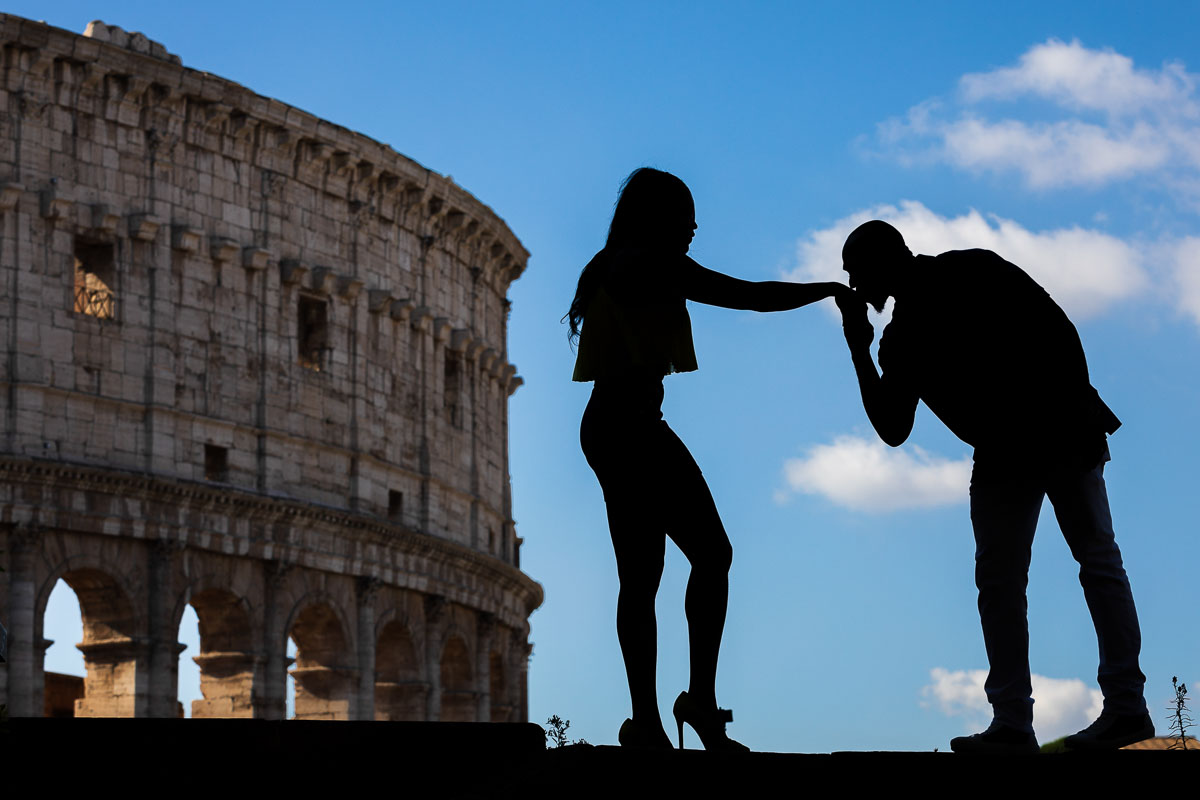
634,735
708,723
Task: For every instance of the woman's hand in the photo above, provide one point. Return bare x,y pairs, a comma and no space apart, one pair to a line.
841,293
855,325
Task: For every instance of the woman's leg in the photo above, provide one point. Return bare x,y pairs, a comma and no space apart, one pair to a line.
640,545
695,526
621,448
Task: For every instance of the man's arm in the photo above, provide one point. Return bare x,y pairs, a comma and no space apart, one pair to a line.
716,289
890,407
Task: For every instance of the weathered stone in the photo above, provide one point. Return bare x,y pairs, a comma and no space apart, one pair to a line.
55,202
255,258
349,286
323,280
222,249
460,340
291,272
421,319
254,443
401,310
143,226
10,193
104,220
441,329
379,300
185,238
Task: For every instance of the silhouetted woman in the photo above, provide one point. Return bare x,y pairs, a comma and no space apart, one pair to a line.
631,303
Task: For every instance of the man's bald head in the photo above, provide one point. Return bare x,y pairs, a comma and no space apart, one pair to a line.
871,243
874,256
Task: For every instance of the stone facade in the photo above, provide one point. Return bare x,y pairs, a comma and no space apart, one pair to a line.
256,363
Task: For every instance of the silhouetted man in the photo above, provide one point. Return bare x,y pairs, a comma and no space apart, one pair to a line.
998,361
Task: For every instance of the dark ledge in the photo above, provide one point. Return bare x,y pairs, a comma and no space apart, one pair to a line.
446,760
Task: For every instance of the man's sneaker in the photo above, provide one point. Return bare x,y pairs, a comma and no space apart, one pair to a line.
1111,731
998,739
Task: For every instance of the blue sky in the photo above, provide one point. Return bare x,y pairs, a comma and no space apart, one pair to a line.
1063,136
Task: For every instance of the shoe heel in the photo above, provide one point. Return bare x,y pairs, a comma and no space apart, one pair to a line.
678,710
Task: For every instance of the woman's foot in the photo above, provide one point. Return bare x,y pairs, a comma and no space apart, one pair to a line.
650,737
708,723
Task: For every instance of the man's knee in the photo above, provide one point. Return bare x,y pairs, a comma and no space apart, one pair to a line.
637,593
640,576
717,558
1001,576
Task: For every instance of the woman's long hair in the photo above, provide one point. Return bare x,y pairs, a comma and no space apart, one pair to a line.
650,200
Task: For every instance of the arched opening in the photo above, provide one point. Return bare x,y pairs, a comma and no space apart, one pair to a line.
63,664
115,656
458,692
188,676
399,691
226,659
498,689
323,672
289,696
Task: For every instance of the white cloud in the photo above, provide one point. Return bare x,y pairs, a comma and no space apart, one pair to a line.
1054,154
1115,121
1084,270
870,476
958,694
1060,705
1186,264
1082,79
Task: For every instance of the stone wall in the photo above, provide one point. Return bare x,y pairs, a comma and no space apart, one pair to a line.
254,362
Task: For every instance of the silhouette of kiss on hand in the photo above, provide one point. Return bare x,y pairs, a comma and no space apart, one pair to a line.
630,319
972,336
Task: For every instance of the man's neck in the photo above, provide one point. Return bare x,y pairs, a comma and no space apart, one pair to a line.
905,274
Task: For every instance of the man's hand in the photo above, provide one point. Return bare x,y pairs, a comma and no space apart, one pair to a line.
856,327
889,406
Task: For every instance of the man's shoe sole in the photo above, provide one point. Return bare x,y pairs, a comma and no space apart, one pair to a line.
1084,744
992,749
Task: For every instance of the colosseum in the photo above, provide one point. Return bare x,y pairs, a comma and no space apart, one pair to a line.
255,363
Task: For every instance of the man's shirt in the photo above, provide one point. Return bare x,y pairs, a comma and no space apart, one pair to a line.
995,358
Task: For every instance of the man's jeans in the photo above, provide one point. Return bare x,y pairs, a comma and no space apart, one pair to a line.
1005,501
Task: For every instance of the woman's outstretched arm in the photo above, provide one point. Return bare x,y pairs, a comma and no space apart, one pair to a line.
715,289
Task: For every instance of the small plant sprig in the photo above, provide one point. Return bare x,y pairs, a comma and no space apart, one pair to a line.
1180,717
556,733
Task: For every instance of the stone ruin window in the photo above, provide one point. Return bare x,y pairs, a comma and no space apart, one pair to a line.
452,389
216,463
313,332
395,505
95,277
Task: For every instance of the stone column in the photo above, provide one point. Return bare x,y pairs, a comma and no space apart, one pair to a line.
227,683
519,652
164,647
367,589
435,623
485,629
11,229
39,675
23,541
270,702
115,685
